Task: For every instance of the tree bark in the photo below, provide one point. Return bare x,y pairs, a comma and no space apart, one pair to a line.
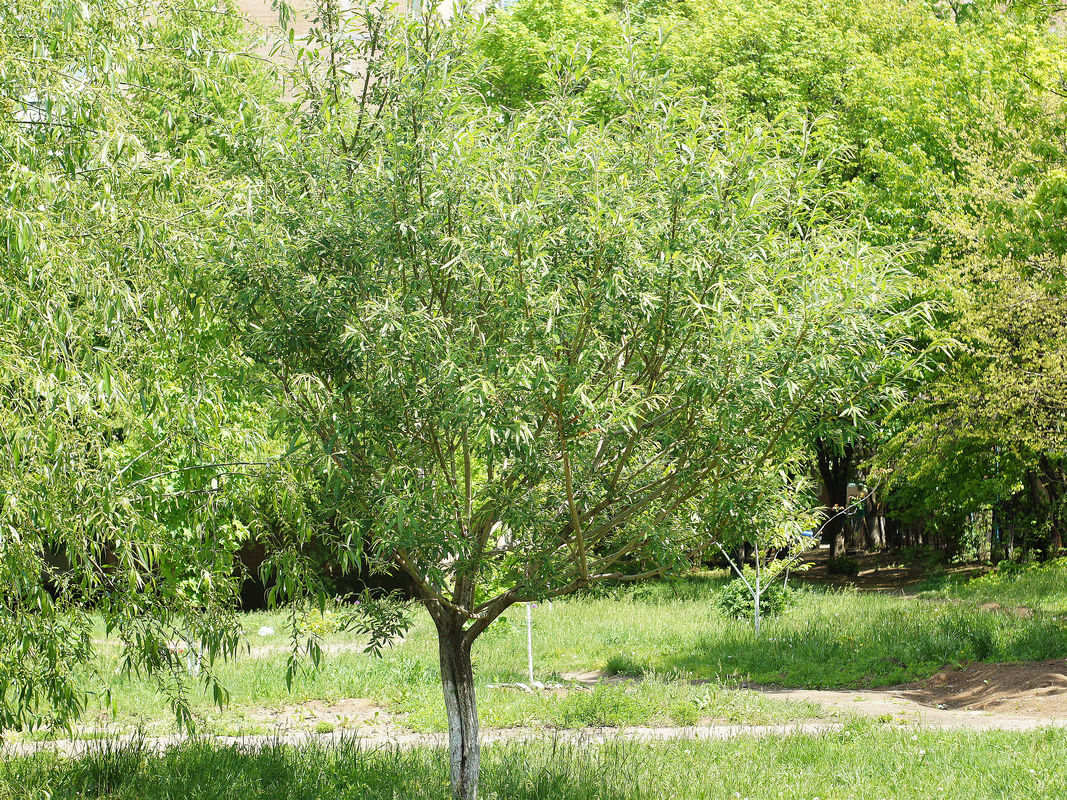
875,524
457,681
834,470
1052,479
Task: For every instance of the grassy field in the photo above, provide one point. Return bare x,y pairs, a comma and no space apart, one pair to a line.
861,761
1039,587
680,652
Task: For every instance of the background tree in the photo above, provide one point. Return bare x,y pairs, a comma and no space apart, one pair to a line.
989,433
903,93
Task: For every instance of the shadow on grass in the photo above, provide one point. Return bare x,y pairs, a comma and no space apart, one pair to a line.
344,771
859,760
849,640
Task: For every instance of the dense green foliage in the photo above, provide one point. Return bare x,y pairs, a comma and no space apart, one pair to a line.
117,382
989,432
513,305
943,129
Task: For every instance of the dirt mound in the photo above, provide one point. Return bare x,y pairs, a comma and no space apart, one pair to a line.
1031,688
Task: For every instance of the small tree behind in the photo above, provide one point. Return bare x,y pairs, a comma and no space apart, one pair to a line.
781,530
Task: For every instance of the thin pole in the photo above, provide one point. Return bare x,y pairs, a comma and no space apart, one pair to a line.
529,640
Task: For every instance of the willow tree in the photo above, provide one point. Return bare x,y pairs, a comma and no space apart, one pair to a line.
117,130
540,349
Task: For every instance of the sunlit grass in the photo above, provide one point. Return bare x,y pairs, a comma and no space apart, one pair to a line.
863,760
1040,587
672,651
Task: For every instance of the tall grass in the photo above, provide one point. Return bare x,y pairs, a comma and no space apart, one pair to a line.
846,639
861,761
1041,587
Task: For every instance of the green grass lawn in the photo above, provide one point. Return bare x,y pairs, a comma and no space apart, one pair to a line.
668,637
1040,587
862,761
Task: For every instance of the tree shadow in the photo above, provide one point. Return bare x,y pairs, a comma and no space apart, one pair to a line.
340,770
864,648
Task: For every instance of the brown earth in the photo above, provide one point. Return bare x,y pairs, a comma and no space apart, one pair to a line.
1009,696
978,696
1030,688
1006,695
351,713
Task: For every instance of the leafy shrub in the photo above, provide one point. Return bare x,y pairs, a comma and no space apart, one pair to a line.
735,600
320,624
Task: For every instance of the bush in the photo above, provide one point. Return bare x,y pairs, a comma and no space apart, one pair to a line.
735,600
316,623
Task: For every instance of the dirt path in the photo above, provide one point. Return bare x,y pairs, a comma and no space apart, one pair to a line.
877,704
888,706
439,740
1007,696
893,706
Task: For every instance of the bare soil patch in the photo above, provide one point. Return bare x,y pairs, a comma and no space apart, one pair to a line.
1006,696
352,713
1029,688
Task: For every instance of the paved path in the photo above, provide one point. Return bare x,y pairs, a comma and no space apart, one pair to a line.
874,704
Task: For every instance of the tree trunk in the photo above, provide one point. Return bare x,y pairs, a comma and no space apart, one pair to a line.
457,680
1052,478
875,524
834,469
985,550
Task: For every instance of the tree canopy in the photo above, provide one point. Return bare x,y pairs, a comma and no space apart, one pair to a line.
117,383
552,347
509,305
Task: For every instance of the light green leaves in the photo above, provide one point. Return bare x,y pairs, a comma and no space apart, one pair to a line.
539,356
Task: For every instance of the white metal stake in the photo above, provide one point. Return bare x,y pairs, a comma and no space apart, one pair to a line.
529,640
